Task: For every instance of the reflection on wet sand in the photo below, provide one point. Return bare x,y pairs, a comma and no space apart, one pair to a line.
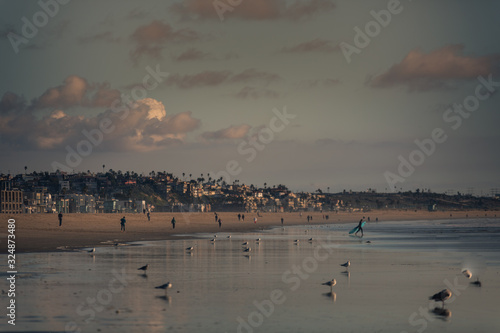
440,312
332,295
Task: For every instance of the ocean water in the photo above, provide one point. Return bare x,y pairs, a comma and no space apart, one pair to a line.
276,287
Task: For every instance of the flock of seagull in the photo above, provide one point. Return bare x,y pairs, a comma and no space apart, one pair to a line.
440,296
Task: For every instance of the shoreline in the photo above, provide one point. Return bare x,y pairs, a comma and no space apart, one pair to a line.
41,232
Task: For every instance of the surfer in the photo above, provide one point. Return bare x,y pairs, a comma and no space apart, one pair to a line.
360,227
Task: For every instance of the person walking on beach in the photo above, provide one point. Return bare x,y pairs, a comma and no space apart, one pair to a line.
255,220
220,223
360,227
281,221
149,217
216,217
60,218
122,223
239,217
173,222
243,217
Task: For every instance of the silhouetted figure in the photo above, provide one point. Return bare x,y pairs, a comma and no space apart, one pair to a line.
220,223
122,224
360,228
173,222
149,217
281,221
60,216
243,217
239,217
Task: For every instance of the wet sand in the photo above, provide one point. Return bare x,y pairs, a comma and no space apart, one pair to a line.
277,287
41,232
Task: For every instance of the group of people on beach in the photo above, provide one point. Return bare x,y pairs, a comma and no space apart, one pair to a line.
241,217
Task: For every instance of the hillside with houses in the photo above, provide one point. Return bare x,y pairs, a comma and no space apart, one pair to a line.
120,192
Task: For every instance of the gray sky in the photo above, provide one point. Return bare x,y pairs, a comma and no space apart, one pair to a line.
360,81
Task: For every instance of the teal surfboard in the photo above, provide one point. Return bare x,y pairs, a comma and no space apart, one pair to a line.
356,228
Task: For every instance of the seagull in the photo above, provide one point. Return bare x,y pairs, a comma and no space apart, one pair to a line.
92,251
143,268
310,239
347,264
212,240
247,249
330,283
165,286
467,273
441,296
189,248
215,236
257,240
229,236
245,243
296,241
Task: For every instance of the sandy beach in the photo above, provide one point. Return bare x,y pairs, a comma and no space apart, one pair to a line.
41,232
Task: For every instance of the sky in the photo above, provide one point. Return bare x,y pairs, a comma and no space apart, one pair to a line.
314,94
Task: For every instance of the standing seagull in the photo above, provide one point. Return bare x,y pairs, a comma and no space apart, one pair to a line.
346,265
143,268
330,283
165,286
247,249
92,251
189,248
467,273
441,296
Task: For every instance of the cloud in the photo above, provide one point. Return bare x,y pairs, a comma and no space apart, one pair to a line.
192,54
315,45
215,78
252,9
106,36
76,91
230,133
11,102
150,39
70,93
145,127
436,70
256,93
